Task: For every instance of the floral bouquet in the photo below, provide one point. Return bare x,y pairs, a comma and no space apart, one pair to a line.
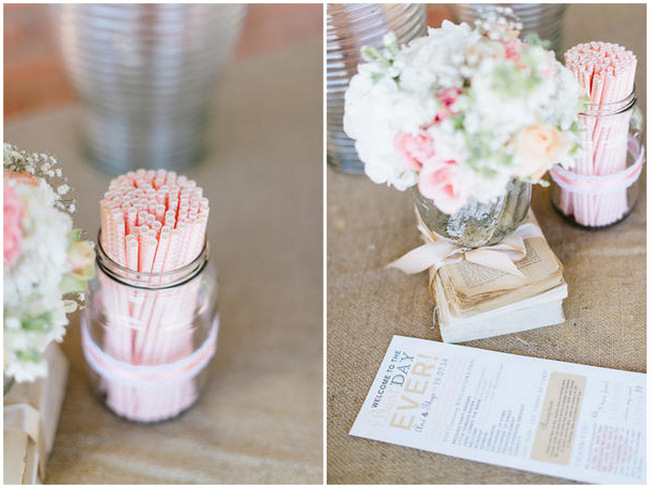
46,264
462,112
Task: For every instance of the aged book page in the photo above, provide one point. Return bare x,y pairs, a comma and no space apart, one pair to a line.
472,280
462,306
471,288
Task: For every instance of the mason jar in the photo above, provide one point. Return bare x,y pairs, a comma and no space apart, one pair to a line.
478,224
602,187
148,338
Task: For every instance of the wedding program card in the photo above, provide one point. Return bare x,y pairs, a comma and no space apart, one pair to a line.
567,420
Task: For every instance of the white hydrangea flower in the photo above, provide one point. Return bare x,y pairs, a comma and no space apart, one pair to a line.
34,313
464,96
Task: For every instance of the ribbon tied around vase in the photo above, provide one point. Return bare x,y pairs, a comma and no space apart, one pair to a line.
438,252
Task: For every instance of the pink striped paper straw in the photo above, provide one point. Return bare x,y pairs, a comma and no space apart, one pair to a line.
152,222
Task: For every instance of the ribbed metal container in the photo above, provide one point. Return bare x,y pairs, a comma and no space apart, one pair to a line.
350,27
145,74
545,19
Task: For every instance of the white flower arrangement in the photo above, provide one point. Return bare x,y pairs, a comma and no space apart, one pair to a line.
462,111
46,264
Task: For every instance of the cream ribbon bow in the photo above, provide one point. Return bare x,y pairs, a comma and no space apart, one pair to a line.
437,252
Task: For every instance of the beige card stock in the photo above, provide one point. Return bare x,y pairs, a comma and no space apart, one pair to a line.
567,420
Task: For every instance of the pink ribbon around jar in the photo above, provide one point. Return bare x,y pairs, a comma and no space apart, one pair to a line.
598,184
140,375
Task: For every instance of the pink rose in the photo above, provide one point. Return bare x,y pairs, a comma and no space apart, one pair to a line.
512,51
539,147
13,220
442,184
447,97
414,149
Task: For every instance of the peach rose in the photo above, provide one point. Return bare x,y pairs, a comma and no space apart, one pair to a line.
13,212
414,149
442,184
21,177
539,147
81,258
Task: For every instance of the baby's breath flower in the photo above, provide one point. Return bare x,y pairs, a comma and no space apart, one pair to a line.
40,165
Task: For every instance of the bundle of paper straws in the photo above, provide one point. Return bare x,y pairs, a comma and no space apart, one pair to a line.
606,71
151,222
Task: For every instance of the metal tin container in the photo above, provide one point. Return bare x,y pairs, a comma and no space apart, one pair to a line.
145,74
349,28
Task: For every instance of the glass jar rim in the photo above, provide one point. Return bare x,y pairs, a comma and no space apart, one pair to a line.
612,108
150,281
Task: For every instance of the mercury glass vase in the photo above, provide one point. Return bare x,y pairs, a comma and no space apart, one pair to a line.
478,224
350,26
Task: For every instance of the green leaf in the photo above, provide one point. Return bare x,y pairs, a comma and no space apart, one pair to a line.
391,46
72,283
38,323
459,121
489,173
30,355
371,54
533,39
75,235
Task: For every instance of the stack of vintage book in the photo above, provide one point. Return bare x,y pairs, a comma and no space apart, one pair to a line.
475,302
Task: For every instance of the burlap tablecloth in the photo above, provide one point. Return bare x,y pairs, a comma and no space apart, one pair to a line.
370,225
260,419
